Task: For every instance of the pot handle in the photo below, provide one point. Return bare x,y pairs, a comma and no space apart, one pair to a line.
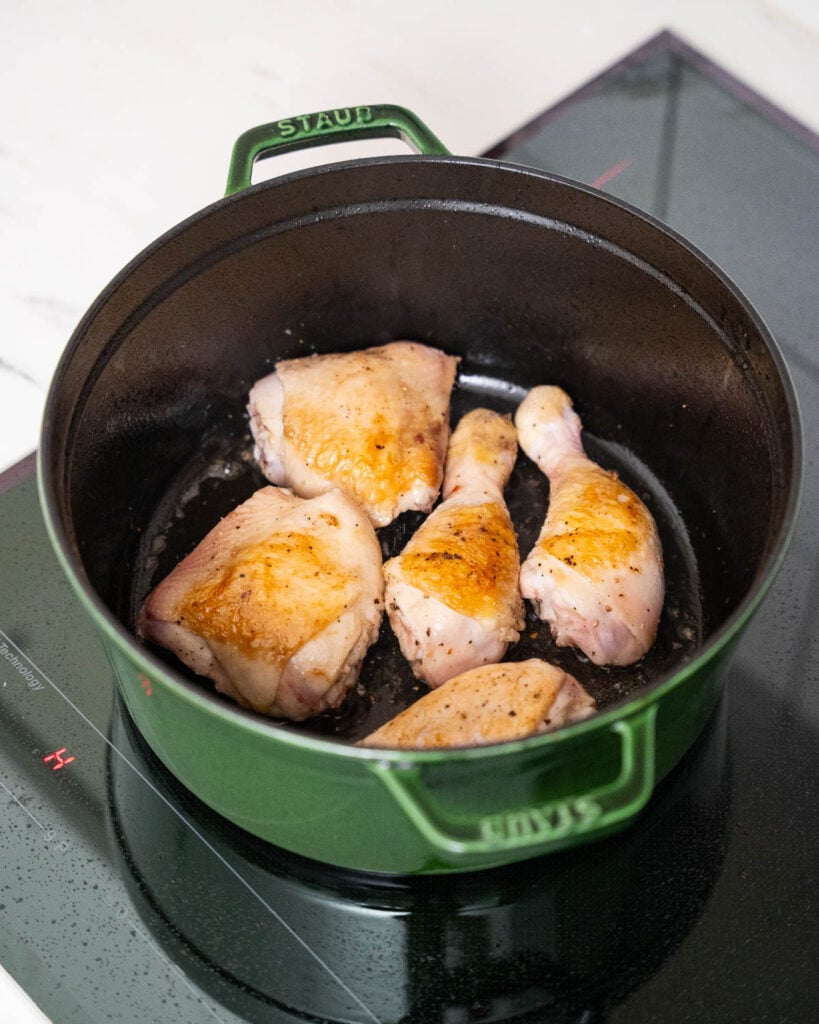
459,839
323,127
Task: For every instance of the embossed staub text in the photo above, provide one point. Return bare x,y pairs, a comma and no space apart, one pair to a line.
549,821
324,120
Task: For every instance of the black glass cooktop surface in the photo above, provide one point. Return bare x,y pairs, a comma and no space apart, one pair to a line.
123,899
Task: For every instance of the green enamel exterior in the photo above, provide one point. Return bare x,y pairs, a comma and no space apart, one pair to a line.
406,812
415,812
411,812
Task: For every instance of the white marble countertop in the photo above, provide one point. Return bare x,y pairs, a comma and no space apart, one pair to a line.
118,121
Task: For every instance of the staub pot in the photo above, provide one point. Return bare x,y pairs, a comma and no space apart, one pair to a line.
530,279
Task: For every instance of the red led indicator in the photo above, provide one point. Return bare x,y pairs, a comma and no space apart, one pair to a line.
611,173
146,686
58,759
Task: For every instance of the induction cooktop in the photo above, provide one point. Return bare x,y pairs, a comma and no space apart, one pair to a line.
122,898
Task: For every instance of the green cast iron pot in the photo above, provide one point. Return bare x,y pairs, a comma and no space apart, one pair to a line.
530,279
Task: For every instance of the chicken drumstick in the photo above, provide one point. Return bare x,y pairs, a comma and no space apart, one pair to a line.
596,572
452,594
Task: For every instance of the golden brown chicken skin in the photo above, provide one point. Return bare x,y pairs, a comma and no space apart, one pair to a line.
596,572
374,422
452,594
488,704
278,604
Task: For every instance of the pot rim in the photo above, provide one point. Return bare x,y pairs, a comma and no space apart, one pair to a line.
212,703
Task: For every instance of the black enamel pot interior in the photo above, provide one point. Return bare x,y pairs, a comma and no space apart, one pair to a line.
530,279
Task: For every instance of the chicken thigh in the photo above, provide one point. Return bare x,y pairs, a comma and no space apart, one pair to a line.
452,594
277,605
488,704
374,423
596,572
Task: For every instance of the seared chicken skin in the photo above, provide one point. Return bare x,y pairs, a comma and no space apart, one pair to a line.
374,423
278,604
488,704
596,572
452,594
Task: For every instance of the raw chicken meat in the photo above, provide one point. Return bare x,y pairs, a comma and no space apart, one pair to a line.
278,604
596,572
488,704
374,423
452,594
